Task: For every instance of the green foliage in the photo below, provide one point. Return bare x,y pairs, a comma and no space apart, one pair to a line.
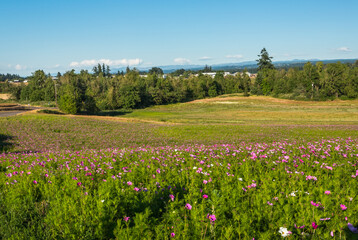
110,92
40,88
264,61
156,71
69,100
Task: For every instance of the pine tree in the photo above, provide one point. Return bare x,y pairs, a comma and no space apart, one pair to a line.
264,62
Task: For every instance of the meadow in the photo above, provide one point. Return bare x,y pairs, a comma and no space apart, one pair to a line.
221,168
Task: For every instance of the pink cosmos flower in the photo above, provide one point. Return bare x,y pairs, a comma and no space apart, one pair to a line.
126,219
35,182
205,182
269,203
343,207
212,218
171,197
136,189
172,234
332,234
205,196
314,225
327,192
129,183
188,206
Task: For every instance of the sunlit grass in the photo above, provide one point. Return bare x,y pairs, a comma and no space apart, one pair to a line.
253,110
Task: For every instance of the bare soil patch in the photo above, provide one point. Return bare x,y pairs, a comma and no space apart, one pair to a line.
5,96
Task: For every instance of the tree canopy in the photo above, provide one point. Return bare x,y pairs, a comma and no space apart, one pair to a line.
264,61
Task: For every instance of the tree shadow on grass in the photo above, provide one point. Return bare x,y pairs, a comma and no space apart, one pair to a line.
113,113
5,144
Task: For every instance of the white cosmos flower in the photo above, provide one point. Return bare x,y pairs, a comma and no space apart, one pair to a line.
194,168
240,179
284,232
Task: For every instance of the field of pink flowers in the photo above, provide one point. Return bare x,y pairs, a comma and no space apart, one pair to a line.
268,190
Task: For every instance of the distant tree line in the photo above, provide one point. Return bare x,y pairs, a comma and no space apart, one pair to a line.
101,90
9,77
313,82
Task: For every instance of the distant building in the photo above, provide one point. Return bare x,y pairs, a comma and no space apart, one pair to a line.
211,74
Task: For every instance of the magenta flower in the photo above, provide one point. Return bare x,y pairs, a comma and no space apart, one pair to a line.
129,183
314,204
136,189
332,234
171,197
172,234
35,182
314,225
79,184
188,206
212,218
269,203
343,207
205,196
205,182
327,192
126,219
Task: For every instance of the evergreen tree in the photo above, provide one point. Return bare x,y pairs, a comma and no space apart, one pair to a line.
264,62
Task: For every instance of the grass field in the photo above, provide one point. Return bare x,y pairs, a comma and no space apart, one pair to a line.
253,110
222,168
222,120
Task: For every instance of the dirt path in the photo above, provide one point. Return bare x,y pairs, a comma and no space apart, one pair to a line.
12,109
9,113
120,119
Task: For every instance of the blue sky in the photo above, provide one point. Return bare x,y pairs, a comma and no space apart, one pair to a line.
58,35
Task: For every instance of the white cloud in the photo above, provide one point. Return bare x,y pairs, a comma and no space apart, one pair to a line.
20,67
181,61
205,58
120,62
344,49
237,56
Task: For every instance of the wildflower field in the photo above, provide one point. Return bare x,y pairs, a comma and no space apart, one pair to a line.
90,178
